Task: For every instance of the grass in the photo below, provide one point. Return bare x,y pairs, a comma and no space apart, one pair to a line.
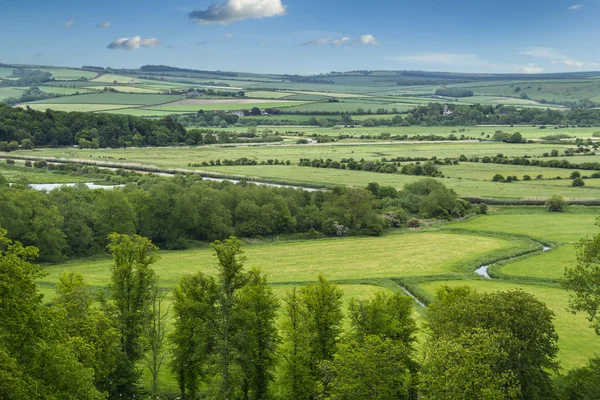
223,106
125,89
64,90
64,74
14,173
549,264
396,255
263,94
16,92
110,78
555,227
577,341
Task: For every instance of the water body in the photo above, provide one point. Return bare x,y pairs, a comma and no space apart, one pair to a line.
52,186
419,302
483,270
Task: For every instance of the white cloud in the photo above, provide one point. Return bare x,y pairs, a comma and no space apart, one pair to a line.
341,41
133,43
541,52
576,7
366,39
237,10
531,70
573,63
227,36
105,24
69,23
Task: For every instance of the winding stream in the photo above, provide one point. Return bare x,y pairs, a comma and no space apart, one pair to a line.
483,270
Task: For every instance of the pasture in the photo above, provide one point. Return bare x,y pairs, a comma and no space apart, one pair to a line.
394,255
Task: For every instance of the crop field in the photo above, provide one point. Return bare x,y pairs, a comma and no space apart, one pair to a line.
262,94
577,341
225,105
63,74
110,78
112,98
125,89
69,107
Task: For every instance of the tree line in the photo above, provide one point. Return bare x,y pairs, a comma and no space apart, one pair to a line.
231,337
74,221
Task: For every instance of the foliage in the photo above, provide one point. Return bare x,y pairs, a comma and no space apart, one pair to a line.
524,325
584,280
556,204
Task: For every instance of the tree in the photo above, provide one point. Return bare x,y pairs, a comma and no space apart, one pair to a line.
132,281
525,324
372,369
581,383
193,337
584,280
578,182
156,329
91,333
36,359
555,204
295,381
469,366
258,338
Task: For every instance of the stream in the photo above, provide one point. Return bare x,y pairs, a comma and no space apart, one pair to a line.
483,270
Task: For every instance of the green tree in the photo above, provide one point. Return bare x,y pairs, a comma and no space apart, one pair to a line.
584,280
156,329
372,369
132,280
36,359
91,333
258,339
469,366
525,323
556,204
193,337
581,383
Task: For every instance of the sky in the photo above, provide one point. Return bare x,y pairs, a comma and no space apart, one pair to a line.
306,36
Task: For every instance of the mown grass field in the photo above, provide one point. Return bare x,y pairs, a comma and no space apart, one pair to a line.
222,106
550,264
112,98
68,107
395,255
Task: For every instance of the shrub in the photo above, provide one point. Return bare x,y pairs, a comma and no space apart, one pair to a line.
414,223
555,204
482,208
498,178
526,177
9,161
28,164
575,175
578,182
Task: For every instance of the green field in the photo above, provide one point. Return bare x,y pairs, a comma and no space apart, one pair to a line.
6,92
125,89
112,98
110,78
555,227
222,106
14,173
63,74
69,107
550,264
262,94
396,255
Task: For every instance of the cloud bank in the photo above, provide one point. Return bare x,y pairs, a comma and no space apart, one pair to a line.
238,10
364,39
133,43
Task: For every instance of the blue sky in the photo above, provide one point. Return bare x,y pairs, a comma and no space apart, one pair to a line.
308,36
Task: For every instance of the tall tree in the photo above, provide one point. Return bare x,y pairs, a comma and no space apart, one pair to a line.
156,329
132,280
193,337
526,325
258,339
584,280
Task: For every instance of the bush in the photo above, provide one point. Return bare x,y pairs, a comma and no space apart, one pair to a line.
28,164
526,177
498,178
555,204
575,175
9,161
414,223
578,182
482,208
